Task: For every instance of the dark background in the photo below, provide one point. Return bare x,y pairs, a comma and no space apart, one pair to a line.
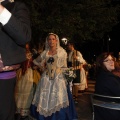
88,23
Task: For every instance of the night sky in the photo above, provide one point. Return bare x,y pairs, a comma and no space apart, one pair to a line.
92,49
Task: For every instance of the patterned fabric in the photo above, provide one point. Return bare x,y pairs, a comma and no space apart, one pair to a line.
68,113
79,56
79,66
7,68
49,96
24,89
51,100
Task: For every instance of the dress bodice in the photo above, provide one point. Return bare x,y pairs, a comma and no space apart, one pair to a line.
52,68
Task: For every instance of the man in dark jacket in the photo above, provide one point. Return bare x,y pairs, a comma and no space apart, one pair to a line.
15,32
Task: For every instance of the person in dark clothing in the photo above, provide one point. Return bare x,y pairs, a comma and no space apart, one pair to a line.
108,84
15,32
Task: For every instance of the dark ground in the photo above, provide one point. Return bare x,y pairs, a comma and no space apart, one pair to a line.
83,107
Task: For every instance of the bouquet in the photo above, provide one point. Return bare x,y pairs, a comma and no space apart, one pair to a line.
69,74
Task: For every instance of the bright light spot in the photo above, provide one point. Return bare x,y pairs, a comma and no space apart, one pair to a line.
64,40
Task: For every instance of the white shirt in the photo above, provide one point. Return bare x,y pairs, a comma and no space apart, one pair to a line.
79,57
5,16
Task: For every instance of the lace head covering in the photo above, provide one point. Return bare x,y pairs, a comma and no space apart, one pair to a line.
61,53
57,38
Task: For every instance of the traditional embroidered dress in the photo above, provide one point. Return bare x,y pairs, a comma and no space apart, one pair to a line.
82,82
53,100
27,79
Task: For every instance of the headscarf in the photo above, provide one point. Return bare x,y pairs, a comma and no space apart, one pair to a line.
57,38
61,53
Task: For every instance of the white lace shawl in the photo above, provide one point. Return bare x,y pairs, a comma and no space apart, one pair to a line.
61,53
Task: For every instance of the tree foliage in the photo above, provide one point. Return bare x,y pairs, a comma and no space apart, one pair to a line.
79,20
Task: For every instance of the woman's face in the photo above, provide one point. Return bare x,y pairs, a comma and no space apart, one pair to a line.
109,63
52,41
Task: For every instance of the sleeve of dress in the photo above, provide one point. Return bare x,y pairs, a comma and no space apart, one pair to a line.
37,60
80,58
65,60
62,58
40,59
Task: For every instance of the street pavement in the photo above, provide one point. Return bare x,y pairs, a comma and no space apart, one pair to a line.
83,107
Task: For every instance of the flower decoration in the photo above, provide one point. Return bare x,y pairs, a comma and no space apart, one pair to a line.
69,74
50,60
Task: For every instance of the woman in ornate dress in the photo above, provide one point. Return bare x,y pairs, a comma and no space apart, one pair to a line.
27,79
53,100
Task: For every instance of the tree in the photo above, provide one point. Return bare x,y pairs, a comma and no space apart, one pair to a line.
84,20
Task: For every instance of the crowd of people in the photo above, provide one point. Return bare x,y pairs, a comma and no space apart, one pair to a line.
42,90
34,84
41,86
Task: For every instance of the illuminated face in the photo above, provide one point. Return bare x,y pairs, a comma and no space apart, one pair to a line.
109,63
52,41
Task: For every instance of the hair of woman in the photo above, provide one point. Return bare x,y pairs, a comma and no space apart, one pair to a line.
100,59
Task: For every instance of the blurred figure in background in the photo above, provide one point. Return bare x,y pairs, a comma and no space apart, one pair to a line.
76,60
27,79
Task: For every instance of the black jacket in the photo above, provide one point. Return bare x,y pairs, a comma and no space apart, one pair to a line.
15,34
107,84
